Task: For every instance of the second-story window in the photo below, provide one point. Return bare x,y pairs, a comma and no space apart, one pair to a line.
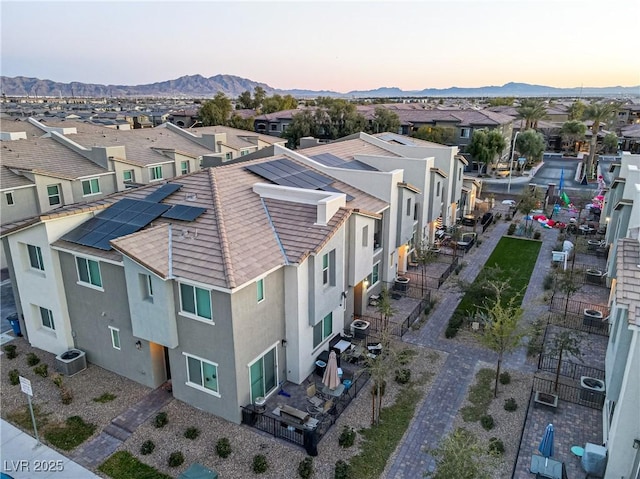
438,189
228,155
464,132
155,173
10,199
365,236
128,176
35,257
53,192
260,289
46,317
408,206
184,167
89,272
91,187
195,301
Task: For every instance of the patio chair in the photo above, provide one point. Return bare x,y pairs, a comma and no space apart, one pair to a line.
312,396
316,411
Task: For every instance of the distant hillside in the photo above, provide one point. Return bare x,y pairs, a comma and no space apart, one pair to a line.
197,86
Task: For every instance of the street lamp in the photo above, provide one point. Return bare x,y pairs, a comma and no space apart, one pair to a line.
513,150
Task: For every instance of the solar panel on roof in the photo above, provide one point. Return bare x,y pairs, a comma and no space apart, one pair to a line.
162,192
358,165
328,159
183,212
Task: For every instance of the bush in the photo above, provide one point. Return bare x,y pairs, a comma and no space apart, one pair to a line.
305,468
487,422
10,349
192,433
105,397
343,470
66,395
260,464
403,376
347,437
496,446
537,235
505,378
223,447
405,356
547,282
32,359
41,370
147,447
510,404
176,459
58,380
512,229
161,419
454,325
14,377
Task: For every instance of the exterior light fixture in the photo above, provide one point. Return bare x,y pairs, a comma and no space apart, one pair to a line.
138,345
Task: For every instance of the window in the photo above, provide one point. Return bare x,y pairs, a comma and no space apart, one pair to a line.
284,126
35,257
146,286
464,132
244,152
438,189
115,337
53,192
365,236
459,174
374,276
408,206
89,272
260,289
325,269
155,173
322,330
89,187
195,301
273,127
184,167
263,375
9,197
228,155
46,317
128,176
415,211
202,374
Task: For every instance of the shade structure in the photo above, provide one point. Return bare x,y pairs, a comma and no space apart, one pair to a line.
330,377
546,444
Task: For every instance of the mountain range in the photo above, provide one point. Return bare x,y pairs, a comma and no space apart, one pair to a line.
197,86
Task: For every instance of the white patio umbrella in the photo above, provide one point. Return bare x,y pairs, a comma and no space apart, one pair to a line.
330,378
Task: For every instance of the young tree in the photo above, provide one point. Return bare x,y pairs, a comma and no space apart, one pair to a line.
599,113
572,132
461,456
436,134
502,330
486,145
385,308
566,283
216,111
531,145
527,202
384,120
568,341
610,143
424,254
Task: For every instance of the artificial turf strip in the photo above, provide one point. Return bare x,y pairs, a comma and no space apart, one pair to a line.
516,259
123,465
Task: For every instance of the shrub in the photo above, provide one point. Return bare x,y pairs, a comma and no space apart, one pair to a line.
547,282
343,470
10,349
176,459
32,359
66,395
58,380
507,218
405,356
260,464
510,404
496,446
487,422
41,370
147,447
192,433
537,235
454,325
161,419
512,229
223,447
347,437
105,397
14,377
305,468
403,376
505,378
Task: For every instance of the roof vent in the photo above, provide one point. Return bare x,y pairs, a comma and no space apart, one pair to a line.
191,197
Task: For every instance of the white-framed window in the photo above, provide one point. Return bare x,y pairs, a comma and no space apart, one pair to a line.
322,330
202,374
228,155
273,127
88,272
35,257
365,236
155,173
9,197
260,289
244,152
146,286
128,176
374,276
46,316
53,192
184,167
195,301
90,187
325,269
263,374
464,132
115,337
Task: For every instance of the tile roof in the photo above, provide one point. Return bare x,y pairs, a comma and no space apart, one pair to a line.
10,180
628,278
347,149
236,137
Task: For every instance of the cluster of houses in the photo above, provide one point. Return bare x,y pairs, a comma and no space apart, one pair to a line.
225,262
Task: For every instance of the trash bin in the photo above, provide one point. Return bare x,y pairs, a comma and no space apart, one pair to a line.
15,323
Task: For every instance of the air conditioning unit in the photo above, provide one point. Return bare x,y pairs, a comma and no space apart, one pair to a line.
71,362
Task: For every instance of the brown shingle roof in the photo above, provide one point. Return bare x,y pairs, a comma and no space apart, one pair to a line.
628,278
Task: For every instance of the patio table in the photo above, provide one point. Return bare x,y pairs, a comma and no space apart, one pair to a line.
337,392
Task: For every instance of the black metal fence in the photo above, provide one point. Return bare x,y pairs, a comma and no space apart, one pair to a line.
396,328
578,323
568,369
299,434
560,304
566,392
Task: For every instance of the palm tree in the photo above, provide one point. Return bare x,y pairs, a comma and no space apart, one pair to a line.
598,113
572,132
532,111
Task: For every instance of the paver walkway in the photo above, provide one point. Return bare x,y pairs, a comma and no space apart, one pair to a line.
435,416
96,451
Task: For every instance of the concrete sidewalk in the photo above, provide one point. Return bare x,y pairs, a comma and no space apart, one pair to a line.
21,459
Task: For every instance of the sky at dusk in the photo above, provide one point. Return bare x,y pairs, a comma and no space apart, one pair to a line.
340,46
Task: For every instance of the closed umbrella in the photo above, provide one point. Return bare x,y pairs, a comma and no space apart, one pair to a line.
330,378
546,445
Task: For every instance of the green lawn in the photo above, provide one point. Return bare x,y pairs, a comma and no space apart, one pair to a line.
516,259
122,465
73,433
